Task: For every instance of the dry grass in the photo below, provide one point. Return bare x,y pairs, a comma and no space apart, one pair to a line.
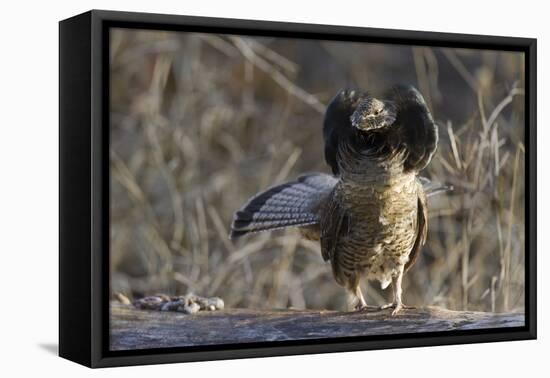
201,122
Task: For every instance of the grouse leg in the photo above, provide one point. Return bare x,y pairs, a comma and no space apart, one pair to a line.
356,300
397,292
397,303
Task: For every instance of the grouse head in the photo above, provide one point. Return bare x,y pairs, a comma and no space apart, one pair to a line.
373,114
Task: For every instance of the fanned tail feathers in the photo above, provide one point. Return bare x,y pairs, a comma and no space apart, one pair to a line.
294,203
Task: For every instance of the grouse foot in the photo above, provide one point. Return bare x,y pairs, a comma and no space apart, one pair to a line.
396,307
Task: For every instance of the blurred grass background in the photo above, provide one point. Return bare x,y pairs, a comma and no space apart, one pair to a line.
201,122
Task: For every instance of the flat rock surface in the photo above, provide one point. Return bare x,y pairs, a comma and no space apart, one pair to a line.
143,329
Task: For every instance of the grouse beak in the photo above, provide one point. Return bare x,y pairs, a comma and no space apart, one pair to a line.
374,115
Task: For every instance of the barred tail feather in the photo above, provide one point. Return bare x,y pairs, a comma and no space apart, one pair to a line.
432,188
294,203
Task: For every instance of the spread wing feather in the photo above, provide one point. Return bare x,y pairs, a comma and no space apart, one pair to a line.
335,224
421,229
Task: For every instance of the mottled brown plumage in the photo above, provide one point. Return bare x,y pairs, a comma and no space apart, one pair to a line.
371,219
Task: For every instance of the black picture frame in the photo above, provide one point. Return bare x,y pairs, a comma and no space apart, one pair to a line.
84,187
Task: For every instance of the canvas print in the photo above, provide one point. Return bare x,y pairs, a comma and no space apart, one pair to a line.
267,189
